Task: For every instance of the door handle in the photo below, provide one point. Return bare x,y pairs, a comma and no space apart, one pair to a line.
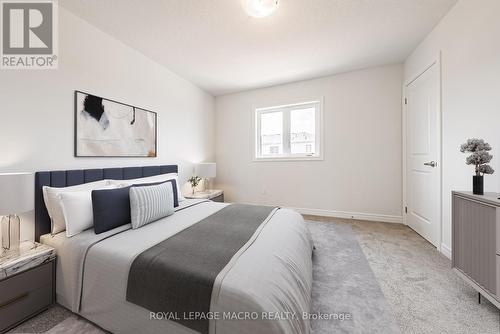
431,163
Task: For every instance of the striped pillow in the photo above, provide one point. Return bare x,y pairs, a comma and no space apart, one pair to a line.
150,203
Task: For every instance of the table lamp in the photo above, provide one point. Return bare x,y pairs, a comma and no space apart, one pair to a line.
17,195
205,170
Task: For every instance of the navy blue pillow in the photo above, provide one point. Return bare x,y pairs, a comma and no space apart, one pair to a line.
111,207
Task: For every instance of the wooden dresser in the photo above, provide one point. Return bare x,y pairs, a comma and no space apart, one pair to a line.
476,241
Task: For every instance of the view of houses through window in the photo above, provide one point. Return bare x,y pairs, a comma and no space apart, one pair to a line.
302,131
271,133
288,131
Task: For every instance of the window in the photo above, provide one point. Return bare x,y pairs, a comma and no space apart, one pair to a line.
274,150
290,132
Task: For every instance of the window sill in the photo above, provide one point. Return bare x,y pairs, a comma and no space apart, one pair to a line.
304,158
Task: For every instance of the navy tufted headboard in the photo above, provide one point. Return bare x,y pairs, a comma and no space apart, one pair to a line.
74,177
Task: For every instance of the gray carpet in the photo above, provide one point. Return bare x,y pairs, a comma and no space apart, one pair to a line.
344,283
425,295
44,321
345,287
75,325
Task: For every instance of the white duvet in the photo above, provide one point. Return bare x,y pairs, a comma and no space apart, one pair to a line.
271,279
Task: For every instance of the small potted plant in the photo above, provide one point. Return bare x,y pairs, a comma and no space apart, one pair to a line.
480,158
194,181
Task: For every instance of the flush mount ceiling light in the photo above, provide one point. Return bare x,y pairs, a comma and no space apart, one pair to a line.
260,8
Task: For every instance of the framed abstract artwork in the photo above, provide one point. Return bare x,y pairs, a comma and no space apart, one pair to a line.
107,128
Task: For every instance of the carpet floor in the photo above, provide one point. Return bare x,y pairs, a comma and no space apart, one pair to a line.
422,294
425,295
344,283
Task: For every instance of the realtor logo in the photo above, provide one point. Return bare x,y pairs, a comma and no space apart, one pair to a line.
29,34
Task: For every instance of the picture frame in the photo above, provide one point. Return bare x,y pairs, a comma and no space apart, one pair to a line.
107,128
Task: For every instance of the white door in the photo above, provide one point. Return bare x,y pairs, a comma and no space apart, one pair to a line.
423,176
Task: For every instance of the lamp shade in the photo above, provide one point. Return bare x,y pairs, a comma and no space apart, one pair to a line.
206,170
17,193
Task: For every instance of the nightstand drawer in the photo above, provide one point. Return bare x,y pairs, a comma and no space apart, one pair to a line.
25,294
25,281
25,305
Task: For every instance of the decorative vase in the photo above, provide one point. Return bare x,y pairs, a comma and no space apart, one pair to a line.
478,185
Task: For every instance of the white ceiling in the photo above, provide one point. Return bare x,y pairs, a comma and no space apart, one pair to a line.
218,47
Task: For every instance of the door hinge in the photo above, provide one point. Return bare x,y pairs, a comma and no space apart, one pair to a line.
406,209
406,101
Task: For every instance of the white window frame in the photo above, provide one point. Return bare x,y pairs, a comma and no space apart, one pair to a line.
286,109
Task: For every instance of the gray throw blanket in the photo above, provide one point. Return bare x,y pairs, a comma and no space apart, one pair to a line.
178,274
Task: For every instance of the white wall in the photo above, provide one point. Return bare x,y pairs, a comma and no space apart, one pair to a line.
361,170
468,40
37,106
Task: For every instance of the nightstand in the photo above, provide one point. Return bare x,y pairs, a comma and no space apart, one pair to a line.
214,195
27,283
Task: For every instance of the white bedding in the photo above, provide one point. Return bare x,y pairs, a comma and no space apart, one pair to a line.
274,274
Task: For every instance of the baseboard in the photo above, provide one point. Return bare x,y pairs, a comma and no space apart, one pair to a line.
446,251
350,215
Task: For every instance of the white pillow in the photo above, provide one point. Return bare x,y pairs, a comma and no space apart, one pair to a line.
77,211
150,203
153,179
50,196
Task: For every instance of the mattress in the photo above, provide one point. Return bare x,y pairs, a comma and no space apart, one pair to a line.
271,279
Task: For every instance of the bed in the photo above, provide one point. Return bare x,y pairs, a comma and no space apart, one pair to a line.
265,288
